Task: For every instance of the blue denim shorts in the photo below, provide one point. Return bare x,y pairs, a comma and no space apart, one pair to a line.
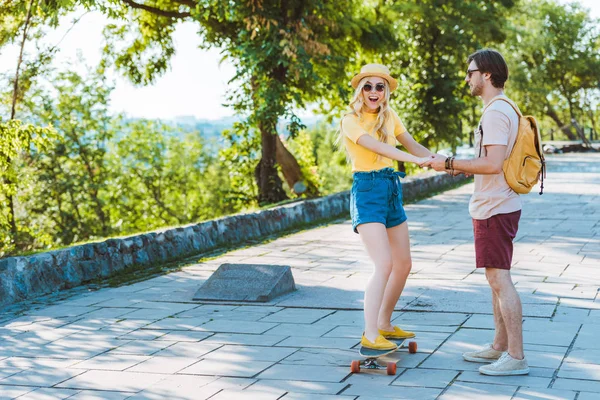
376,196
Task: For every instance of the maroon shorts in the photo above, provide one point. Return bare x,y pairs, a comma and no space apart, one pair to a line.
494,240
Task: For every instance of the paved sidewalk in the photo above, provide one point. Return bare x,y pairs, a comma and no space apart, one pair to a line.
150,341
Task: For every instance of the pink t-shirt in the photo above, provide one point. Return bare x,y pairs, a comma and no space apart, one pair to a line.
492,195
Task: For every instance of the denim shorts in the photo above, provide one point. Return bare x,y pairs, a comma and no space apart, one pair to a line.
376,196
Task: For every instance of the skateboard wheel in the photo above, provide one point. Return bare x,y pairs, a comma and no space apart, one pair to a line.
412,347
355,367
391,368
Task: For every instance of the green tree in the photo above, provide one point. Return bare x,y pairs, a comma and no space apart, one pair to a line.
161,176
71,176
16,138
22,21
436,38
554,50
285,53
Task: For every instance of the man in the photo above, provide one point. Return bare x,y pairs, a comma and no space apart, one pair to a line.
495,209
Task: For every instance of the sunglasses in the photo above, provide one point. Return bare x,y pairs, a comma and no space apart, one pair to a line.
380,87
470,72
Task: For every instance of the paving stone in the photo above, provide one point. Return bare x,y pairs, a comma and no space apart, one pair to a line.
478,391
332,343
521,380
163,365
48,394
373,391
41,378
251,340
297,316
545,394
577,384
318,356
249,353
111,362
309,330
188,349
580,371
100,395
247,395
421,377
297,387
226,368
12,392
117,381
236,326
314,373
312,396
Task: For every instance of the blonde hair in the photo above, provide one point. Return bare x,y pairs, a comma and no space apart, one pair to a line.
356,108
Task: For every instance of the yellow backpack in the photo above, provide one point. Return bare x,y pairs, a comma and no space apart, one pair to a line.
525,165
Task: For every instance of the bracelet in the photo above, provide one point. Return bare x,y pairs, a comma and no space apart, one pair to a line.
447,163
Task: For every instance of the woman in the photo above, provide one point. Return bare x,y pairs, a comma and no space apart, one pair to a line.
369,132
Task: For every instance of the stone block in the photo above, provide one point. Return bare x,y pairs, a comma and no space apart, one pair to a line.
247,282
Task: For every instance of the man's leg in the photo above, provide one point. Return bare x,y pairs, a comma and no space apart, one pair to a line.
509,305
500,337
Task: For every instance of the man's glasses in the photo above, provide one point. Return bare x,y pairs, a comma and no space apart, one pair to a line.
470,72
380,87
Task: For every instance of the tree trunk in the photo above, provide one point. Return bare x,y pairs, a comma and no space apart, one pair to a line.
291,169
267,178
566,128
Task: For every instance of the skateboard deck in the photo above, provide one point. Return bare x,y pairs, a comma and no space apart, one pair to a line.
370,357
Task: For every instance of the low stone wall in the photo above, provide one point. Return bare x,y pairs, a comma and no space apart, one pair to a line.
31,276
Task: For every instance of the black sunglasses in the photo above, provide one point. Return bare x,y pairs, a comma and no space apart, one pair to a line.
470,72
380,87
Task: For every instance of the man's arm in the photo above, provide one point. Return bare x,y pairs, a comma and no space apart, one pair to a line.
491,164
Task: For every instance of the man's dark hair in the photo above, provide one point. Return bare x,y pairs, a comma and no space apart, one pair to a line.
492,62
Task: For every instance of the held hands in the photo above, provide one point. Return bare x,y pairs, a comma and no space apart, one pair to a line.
436,162
422,161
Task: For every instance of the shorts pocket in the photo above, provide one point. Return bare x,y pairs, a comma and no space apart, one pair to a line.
363,185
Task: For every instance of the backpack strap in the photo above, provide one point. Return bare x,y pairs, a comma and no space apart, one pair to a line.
505,99
501,98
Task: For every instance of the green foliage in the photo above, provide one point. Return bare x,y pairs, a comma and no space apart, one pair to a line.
239,157
554,52
332,168
16,139
436,39
159,178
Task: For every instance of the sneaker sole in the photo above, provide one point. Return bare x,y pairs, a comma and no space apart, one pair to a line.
479,360
505,373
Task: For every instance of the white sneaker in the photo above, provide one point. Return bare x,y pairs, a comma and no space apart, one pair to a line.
506,365
485,355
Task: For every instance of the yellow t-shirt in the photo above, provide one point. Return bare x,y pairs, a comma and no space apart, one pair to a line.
363,159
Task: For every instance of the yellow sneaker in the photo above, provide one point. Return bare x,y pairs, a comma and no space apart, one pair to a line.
380,343
397,333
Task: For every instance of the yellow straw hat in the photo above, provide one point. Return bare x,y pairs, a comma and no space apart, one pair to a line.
375,70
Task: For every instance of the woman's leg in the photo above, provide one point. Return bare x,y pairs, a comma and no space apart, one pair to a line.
402,263
375,239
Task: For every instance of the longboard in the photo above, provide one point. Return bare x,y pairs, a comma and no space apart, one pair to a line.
370,357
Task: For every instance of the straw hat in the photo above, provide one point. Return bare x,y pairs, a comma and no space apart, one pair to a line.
375,70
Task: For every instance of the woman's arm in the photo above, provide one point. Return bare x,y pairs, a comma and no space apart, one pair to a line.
389,151
412,146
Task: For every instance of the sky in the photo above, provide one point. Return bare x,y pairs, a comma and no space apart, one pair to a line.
195,84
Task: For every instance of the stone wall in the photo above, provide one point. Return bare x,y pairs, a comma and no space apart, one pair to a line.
29,276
